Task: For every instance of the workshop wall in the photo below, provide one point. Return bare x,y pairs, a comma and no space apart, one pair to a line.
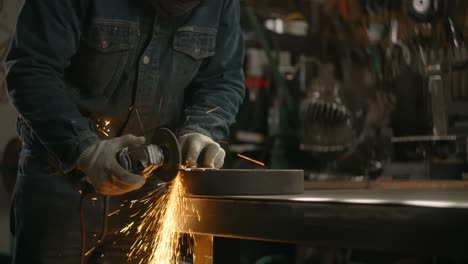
8,13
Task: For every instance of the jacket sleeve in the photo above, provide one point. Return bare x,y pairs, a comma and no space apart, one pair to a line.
219,84
46,38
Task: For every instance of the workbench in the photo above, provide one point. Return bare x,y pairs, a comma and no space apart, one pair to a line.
417,221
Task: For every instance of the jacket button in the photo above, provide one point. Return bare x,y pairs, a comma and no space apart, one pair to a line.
104,44
146,59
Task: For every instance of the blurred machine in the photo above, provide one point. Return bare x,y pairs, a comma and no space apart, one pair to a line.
431,117
380,89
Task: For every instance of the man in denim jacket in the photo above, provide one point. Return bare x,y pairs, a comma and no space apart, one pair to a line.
88,78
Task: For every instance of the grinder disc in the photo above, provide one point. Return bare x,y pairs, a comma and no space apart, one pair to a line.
167,141
225,182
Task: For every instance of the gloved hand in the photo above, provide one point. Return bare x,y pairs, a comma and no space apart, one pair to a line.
103,171
200,148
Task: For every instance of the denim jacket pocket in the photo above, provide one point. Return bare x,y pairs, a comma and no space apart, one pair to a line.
197,42
105,50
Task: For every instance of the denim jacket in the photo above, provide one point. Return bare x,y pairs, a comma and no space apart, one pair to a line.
80,70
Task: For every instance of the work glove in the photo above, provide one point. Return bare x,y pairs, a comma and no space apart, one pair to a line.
103,171
200,150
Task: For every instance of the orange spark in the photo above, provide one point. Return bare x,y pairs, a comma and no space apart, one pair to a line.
90,251
158,233
160,104
127,227
251,160
212,110
132,202
114,213
135,214
139,120
104,129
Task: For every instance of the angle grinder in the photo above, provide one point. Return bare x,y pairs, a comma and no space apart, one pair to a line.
160,159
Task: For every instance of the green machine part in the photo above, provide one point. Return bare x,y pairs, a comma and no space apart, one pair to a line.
280,125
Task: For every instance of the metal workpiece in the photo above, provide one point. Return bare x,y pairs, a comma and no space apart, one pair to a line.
243,182
421,222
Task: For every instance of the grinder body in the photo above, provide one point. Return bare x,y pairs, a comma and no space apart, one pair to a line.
141,159
161,158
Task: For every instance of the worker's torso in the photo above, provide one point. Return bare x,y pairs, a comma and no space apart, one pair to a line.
133,65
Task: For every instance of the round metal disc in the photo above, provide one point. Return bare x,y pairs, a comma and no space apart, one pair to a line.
167,141
220,182
422,6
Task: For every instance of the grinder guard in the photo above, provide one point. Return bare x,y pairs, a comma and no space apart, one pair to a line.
168,143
